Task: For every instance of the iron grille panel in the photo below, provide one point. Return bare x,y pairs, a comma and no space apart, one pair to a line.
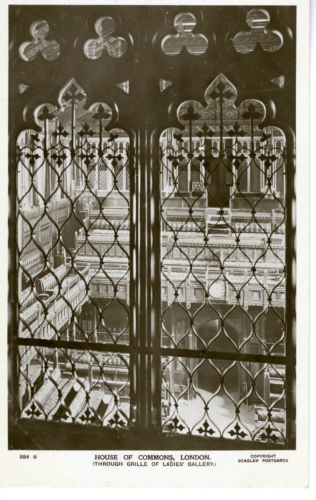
74,285
203,398
223,257
72,386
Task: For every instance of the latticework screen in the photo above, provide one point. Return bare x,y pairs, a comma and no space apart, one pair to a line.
152,290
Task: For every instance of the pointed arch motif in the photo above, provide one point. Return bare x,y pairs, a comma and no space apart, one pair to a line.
223,221
71,174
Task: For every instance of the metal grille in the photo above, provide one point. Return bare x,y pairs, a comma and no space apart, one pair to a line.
203,398
73,386
127,289
223,272
74,264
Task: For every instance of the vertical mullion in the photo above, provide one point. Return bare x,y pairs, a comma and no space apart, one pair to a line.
14,279
155,281
143,277
14,276
148,274
133,280
290,293
142,107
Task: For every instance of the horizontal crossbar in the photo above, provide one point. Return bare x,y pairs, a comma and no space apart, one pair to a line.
161,351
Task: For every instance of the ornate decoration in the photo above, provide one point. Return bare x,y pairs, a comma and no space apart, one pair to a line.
114,46
212,164
49,49
175,425
62,165
117,421
206,429
164,84
258,20
88,417
237,432
268,434
196,45
124,86
33,411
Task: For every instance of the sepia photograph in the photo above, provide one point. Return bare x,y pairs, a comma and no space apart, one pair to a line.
152,230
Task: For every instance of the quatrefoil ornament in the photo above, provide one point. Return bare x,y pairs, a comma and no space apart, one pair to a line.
114,46
49,49
195,44
258,20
